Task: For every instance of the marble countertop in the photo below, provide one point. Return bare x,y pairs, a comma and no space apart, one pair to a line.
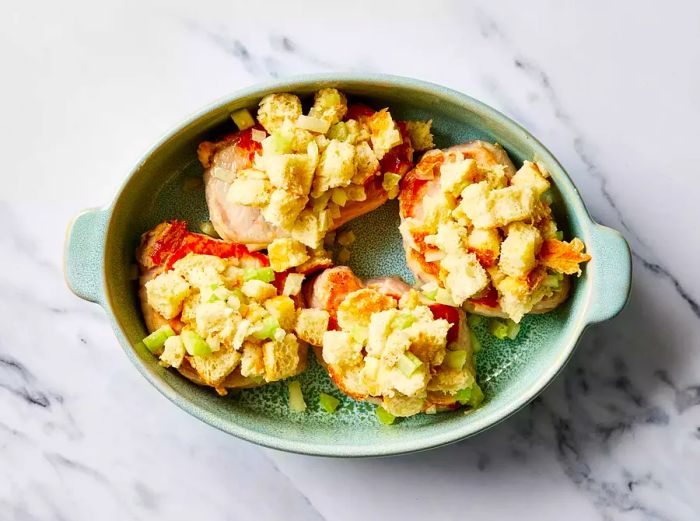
611,88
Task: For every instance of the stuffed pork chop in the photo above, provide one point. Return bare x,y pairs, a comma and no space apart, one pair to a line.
287,174
216,311
382,342
481,235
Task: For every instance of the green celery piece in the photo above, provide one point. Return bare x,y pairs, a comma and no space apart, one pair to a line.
277,143
403,321
328,402
296,397
477,396
155,341
359,334
385,417
195,344
243,119
430,294
498,328
474,320
513,329
559,236
338,131
409,363
265,274
455,359
476,343
267,331
463,396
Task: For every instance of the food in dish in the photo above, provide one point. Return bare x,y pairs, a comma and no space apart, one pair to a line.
292,175
390,345
480,234
216,311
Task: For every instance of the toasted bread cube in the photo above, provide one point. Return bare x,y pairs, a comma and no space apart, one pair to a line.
385,134
173,352
366,163
420,135
466,276
275,109
283,209
437,209
307,230
252,363
456,175
486,243
329,105
286,253
292,284
311,325
336,167
519,249
487,208
290,172
249,192
530,175
339,348
213,368
258,290
166,293
450,237
282,308
281,358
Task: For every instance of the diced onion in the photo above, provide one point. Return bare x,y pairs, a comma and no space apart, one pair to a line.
258,135
313,124
292,284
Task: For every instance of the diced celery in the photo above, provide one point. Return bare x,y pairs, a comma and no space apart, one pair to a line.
265,274
328,402
296,397
276,143
443,297
384,417
195,344
472,396
390,181
208,228
338,131
346,238
155,341
409,363
474,320
547,197
403,321
343,255
243,119
267,328
455,359
431,294
559,235
476,343
359,334
339,197
498,328
513,329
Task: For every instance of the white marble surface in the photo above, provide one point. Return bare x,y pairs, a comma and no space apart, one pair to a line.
611,88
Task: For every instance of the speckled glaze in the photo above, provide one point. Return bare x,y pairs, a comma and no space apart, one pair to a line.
100,248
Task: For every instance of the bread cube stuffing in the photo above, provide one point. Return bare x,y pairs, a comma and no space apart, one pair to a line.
519,249
530,175
385,134
450,237
284,208
286,253
173,352
311,325
252,363
166,293
456,175
329,105
307,230
366,163
281,358
292,284
290,172
420,135
282,308
275,109
215,367
258,290
465,276
336,167
486,243
249,192
339,348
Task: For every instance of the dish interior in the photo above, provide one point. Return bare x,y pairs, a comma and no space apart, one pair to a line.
161,189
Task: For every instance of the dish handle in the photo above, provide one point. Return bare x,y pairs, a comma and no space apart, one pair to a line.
612,280
84,254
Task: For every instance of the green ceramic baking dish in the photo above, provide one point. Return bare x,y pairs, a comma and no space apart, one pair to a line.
99,255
